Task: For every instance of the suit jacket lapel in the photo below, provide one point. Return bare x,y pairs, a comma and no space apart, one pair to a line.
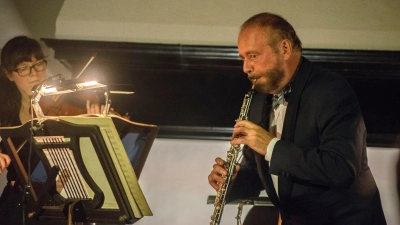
285,184
259,114
294,100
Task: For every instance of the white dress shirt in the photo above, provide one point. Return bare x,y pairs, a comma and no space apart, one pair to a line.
276,126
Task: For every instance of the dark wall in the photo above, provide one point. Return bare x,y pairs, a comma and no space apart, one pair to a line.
197,91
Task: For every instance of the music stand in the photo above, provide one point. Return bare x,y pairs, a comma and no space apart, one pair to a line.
95,145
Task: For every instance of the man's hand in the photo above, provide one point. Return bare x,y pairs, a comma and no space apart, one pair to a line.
252,135
216,176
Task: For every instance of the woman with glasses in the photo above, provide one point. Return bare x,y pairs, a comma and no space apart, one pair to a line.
23,66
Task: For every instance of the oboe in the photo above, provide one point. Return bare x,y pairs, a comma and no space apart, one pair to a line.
231,162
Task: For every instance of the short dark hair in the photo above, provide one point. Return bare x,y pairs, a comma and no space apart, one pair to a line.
282,29
17,50
20,49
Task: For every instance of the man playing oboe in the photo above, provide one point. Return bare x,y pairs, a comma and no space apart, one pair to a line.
305,137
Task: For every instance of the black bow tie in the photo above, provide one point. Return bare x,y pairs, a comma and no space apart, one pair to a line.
280,98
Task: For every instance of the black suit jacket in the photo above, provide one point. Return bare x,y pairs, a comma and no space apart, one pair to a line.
321,159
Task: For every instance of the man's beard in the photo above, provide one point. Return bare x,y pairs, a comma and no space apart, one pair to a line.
272,79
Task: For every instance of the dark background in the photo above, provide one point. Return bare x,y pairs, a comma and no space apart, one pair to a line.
196,91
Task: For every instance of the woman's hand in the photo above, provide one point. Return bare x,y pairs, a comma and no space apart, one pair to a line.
4,162
99,109
94,108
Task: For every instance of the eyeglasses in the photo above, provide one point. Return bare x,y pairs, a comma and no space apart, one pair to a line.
26,70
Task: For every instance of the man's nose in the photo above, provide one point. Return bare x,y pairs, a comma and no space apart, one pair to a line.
247,68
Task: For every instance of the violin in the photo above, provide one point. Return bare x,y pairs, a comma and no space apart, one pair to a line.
69,104
72,104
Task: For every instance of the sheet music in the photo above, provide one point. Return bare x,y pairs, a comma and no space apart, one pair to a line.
120,160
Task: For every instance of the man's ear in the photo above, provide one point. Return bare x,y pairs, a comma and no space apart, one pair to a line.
286,47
